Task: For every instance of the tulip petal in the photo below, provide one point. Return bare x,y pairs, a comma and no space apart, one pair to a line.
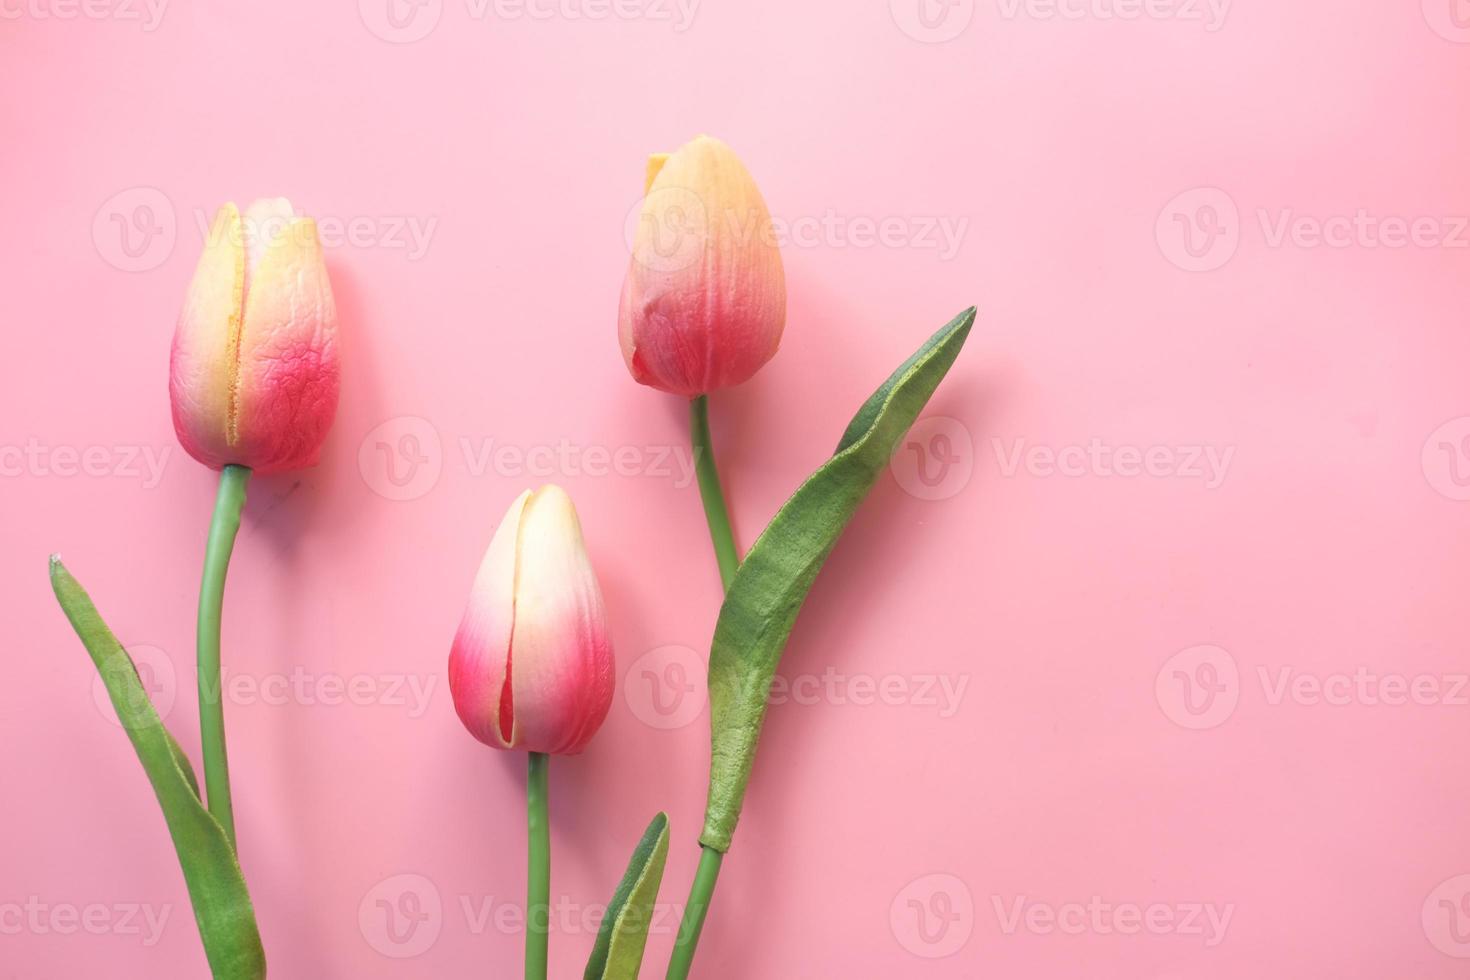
201,365
562,665
704,301
263,221
287,371
655,163
480,657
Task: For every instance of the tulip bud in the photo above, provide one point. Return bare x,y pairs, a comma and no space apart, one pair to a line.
254,374
532,665
704,300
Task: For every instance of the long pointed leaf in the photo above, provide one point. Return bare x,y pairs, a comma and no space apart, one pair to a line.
216,886
772,583
618,952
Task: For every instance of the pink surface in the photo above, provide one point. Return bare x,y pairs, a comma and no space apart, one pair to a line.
1155,669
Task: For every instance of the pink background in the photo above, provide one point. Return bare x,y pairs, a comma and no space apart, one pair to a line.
1081,601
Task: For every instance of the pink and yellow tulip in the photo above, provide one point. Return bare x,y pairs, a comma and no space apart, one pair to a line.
704,299
254,373
532,666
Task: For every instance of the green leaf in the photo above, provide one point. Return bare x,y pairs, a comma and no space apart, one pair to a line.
773,580
618,952
216,886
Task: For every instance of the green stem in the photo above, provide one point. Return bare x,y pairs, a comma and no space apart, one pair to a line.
538,874
222,529
728,558
700,895
708,474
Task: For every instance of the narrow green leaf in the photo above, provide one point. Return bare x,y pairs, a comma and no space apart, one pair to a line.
216,886
772,583
618,952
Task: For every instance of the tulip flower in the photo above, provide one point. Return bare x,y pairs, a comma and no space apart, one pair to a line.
254,373
253,381
704,300
532,667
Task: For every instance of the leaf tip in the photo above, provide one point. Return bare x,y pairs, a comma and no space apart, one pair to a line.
966,320
659,829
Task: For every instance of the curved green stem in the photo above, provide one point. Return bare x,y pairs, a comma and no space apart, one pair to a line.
708,475
538,873
222,530
728,558
700,895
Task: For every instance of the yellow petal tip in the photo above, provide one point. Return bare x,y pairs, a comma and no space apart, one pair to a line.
656,163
